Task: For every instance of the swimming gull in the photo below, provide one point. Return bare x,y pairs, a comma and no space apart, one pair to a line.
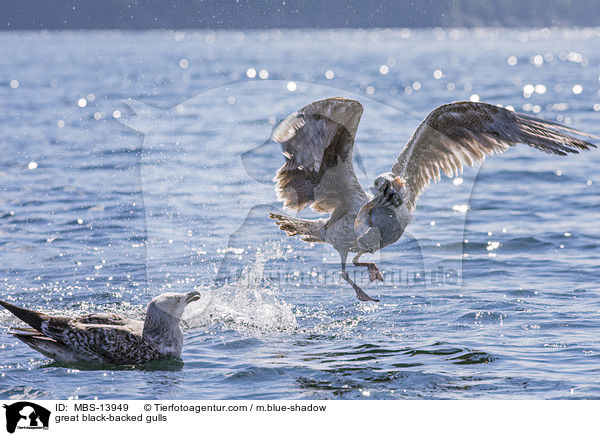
108,337
317,143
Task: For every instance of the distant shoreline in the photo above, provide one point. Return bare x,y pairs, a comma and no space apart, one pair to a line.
294,14
317,29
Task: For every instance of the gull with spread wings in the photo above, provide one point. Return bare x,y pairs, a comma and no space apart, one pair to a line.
317,143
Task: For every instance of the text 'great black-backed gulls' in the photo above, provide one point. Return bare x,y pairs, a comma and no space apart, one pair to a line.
317,142
108,337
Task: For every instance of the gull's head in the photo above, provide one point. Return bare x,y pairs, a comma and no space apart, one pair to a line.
390,187
173,303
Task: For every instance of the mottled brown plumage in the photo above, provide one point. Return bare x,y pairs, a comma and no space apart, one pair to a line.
107,338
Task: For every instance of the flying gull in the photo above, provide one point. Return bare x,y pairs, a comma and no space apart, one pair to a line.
108,337
317,143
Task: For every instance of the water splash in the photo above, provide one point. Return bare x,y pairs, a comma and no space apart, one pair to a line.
248,305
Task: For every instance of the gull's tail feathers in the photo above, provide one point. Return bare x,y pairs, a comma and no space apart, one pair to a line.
309,230
31,317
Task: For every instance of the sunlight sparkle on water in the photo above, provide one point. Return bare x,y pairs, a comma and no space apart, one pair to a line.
291,86
577,89
251,73
462,208
14,84
329,74
492,245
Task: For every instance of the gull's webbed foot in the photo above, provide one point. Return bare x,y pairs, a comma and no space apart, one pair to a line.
374,273
362,296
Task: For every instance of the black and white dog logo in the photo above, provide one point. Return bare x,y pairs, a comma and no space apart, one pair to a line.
26,415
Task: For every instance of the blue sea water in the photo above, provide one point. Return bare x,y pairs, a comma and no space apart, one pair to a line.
134,163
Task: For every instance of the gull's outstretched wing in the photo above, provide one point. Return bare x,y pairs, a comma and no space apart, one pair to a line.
317,142
465,133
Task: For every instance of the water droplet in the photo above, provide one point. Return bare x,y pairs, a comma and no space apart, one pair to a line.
537,60
528,90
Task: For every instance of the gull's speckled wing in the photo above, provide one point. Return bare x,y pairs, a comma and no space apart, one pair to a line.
465,133
112,343
103,318
317,142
